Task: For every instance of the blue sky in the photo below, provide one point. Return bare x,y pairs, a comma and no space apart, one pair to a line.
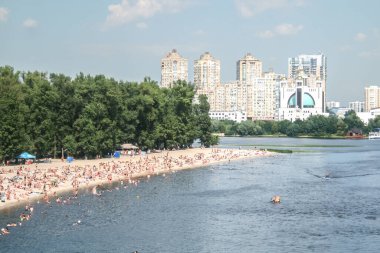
126,39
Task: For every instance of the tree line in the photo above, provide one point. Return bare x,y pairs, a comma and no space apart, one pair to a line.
316,126
89,115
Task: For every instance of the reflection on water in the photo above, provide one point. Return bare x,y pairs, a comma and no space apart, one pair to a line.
329,203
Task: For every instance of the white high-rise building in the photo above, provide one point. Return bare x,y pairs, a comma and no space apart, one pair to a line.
372,98
173,68
311,65
248,68
206,71
357,106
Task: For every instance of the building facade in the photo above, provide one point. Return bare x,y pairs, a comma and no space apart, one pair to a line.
237,116
248,68
340,112
357,106
311,65
372,98
206,71
301,98
264,97
257,95
332,104
173,68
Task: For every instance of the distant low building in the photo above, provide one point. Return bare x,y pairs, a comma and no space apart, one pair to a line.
339,111
375,112
356,106
366,116
332,104
237,116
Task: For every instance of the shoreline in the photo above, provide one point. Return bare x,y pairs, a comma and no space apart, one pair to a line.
110,170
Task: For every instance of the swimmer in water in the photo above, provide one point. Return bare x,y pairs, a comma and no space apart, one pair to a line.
327,176
5,231
276,199
94,191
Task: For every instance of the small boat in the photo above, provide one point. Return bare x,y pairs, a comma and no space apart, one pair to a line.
375,134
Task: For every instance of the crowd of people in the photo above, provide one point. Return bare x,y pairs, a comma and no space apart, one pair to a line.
26,182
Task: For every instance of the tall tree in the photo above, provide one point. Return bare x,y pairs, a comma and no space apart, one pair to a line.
203,121
352,121
42,102
13,135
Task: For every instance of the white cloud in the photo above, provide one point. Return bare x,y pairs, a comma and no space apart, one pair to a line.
128,11
142,25
288,29
3,14
266,34
281,30
249,8
360,37
30,23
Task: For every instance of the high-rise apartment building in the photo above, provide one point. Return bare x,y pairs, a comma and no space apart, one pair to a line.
253,94
357,106
311,65
256,95
248,68
372,98
173,68
264,96
206,71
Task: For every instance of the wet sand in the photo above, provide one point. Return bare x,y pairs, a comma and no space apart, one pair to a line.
25,184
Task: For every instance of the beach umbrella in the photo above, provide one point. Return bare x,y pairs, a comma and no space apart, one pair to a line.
128,146
26,155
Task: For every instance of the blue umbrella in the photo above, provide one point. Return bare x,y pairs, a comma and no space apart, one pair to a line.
26,155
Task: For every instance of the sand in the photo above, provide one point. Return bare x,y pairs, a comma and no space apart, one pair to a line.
51,179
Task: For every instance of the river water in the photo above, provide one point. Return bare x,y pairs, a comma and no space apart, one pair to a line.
330,192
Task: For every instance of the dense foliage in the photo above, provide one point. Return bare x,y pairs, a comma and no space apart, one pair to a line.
317,126
93,115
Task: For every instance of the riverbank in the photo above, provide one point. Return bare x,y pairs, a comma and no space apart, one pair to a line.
329,137
25,184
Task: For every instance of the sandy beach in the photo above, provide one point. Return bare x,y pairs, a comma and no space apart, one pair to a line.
25,184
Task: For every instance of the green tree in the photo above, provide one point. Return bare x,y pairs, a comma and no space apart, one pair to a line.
374,123
353,121
13,134
203,121
293,130
283,126
42,102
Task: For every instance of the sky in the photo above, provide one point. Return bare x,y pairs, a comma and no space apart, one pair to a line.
126,39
